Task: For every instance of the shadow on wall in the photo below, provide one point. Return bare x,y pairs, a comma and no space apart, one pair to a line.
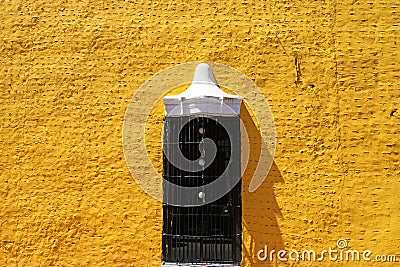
260,226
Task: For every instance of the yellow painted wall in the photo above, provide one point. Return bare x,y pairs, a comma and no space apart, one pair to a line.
329,70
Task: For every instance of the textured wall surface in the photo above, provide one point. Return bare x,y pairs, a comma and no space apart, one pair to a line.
329,70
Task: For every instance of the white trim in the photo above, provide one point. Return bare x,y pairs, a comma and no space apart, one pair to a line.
203,97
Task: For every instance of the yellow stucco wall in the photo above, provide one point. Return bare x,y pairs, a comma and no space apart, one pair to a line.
329,70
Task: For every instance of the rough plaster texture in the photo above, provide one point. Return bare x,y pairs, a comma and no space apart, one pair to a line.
329,69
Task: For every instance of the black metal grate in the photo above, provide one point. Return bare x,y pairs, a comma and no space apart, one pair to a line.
209,233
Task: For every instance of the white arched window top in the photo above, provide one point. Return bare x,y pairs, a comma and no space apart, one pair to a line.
202,97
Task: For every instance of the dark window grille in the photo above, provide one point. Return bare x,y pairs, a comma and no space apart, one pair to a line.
210,233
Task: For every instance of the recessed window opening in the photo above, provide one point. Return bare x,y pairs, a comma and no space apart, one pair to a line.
209,233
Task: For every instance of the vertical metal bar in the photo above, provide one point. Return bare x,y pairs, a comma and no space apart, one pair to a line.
179,209
232,237
184,135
